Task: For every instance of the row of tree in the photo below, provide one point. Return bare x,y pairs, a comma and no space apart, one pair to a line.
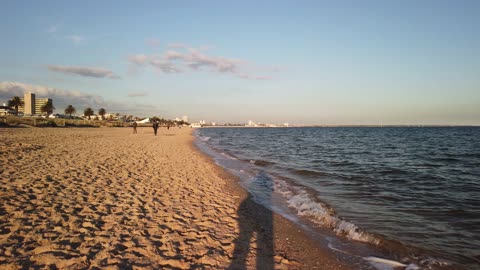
48,108
88,112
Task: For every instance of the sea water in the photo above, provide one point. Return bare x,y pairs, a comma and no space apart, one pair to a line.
411,192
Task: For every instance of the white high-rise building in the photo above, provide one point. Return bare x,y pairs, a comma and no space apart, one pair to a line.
185,118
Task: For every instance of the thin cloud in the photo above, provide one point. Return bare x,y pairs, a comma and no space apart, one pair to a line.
137,94
77,39
194,59
204,48
262,78
176,45
197,60
84,71
185,46
165,67
173,55
52,29
249,77
139,59
152,42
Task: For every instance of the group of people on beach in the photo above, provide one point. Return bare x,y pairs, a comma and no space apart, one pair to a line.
155,125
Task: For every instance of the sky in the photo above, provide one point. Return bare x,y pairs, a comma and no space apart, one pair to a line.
301,62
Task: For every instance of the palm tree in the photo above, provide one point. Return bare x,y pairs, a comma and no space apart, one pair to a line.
102,112
70,110
88,112
47,108
15,102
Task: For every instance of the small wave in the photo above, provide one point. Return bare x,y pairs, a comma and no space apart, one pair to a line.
471,155
428,164
204,138
262,163
343,163
384,264
393,171
308,173
445,159
307,206
228,155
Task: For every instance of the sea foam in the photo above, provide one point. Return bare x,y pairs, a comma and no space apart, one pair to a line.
308,206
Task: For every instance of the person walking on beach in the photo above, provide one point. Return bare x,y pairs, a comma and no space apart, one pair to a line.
155,127
134,127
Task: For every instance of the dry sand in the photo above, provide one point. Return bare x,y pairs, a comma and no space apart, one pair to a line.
89,198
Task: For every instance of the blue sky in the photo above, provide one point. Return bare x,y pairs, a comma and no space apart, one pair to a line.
303,62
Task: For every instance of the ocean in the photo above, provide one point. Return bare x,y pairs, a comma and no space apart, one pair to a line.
380,196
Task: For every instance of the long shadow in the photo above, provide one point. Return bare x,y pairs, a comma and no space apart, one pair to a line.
255,220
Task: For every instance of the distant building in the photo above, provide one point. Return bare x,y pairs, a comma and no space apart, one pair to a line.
29,103
32,105
185,118
39,102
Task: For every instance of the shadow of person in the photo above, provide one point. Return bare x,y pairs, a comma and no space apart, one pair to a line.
255,222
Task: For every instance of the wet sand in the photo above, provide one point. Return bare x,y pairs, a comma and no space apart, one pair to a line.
88,198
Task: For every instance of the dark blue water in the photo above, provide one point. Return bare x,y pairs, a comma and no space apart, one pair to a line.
415,191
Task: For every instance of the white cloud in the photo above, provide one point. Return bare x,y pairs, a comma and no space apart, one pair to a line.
84,71
61,98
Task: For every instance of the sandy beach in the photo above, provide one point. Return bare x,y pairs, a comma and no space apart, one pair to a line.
89,198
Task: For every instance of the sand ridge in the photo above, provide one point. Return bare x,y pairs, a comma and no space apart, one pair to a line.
89,198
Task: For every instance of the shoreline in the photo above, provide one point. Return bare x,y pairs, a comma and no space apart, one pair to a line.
76,198
291,241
